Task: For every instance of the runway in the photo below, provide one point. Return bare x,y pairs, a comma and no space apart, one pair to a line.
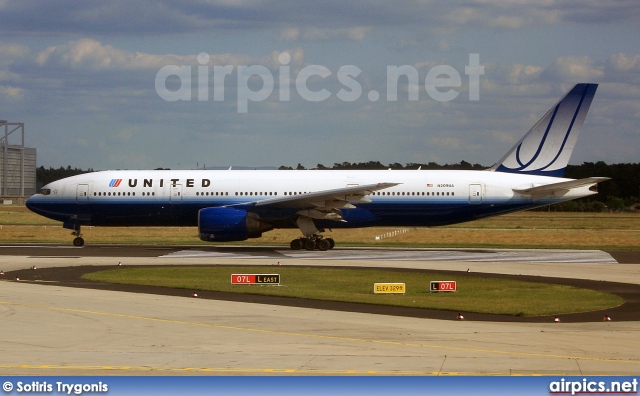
57,330
360,254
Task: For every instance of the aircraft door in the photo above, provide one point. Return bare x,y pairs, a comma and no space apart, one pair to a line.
82,193
175,199
176,194
475,193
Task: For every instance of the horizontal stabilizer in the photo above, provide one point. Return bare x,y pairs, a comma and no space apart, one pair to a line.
559,188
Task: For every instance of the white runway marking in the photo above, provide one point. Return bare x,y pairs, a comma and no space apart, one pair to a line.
478,255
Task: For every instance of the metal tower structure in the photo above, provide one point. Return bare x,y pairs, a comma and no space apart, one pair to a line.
17,163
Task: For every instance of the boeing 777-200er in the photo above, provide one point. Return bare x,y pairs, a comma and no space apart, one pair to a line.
234,205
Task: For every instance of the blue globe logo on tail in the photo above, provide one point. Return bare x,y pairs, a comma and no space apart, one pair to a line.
546,149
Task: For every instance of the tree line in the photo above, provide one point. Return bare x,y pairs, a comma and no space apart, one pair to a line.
620,193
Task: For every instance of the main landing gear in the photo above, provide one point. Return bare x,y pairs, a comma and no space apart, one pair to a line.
313,242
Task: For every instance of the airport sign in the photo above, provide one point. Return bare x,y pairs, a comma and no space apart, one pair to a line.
386,288
255,279
442,286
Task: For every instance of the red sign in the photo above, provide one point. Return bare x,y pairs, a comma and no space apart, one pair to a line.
241,279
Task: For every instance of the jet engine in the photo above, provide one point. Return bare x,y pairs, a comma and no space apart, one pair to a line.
229,224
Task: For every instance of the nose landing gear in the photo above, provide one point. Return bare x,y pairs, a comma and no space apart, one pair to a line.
77,241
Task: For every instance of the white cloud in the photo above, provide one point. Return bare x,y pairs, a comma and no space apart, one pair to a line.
125,134
623,64
571,69
358,33
290,34
9,52
505,21
495,17
11,92
448,142
90,54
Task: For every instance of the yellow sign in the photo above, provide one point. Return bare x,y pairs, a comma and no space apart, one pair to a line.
389,288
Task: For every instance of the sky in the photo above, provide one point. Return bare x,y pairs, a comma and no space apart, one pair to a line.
145,84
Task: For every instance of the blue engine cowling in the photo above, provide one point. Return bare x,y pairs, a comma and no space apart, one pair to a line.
229,224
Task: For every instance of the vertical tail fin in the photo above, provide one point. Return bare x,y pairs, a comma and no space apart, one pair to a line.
546,148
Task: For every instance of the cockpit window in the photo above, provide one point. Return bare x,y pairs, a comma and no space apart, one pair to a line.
45,191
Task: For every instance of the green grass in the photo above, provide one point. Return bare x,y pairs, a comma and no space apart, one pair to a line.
482,295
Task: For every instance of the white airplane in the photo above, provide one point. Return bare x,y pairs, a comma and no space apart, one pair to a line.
234,205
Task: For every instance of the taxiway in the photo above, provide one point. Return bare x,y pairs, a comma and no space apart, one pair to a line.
51,330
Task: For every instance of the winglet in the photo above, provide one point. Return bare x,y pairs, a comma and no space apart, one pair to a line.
545,150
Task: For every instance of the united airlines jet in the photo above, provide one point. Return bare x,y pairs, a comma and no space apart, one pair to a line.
234,205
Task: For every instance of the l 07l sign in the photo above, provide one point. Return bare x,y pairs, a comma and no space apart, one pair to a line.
442,286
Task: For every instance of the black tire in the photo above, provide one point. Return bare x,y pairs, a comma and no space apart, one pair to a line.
296,244
78,242
323,245
332,243
310,244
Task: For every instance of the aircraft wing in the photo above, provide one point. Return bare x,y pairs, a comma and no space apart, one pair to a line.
339,198
559,188
326,202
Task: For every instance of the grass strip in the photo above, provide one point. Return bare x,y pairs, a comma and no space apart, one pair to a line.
475,294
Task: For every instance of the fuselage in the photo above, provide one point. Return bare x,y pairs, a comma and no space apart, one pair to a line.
173,198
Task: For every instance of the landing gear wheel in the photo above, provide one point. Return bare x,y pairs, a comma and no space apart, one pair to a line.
332,243
310,244
296,244
78,242
323,244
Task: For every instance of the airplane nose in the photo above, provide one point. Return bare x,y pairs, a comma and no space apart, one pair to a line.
32,202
